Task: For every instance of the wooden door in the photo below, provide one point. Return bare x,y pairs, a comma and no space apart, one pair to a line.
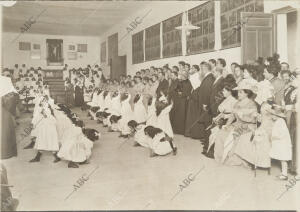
258,35
118,67
112,46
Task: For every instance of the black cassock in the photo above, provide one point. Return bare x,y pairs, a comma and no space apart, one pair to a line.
78,96
180,103
197,119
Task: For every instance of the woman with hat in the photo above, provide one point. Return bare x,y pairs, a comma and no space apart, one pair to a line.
225,109
240,125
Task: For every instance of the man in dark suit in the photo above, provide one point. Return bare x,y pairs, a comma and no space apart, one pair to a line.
204,94
197,129
163,85
215,100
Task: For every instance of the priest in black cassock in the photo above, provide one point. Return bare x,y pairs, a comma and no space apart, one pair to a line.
200,117
180,102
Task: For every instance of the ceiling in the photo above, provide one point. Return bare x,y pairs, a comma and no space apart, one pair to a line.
87,18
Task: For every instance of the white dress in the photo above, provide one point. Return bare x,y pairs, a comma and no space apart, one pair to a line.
281,141
163,121
115,108
151,115
75,146
127,115
46,133
225,107
140,113
140,136
160,147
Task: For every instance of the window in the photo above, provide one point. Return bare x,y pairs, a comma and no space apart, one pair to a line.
231,19
202,39
152,42
81,47
24,46
103,52
138,47
172,37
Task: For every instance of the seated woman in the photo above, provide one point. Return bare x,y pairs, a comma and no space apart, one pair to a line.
225,109
240,125
160,143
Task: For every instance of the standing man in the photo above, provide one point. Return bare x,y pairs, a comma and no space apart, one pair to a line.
221,63
204,95
163,85
215,100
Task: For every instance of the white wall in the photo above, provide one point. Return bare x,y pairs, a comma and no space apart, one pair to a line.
11,54
161,11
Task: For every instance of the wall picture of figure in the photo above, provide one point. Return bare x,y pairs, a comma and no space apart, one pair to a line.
55,52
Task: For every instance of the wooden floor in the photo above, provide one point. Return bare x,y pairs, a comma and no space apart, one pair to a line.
123,177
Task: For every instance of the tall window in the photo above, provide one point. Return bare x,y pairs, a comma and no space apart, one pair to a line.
152,42
231,17
103,52
202,39
172,37
138,47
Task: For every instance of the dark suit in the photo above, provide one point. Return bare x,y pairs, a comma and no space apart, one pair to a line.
215,95
203,120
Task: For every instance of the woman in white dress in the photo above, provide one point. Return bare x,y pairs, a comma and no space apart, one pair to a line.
46,133
151,112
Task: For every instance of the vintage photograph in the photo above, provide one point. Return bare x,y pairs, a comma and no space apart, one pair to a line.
150,105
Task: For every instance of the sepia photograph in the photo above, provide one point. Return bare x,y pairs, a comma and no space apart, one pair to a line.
155,105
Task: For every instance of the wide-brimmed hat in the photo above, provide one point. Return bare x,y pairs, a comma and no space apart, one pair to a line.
247,84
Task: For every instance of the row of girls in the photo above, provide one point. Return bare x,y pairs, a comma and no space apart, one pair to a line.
132,113
57,130
236,116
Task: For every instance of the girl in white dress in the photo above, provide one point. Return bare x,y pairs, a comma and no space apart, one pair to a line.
126,113
46,133
76,147
140,113
163,122
281,148
137,130
160,143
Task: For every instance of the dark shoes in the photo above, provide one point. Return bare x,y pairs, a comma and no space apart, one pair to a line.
57,159
175,151
37,158
72,165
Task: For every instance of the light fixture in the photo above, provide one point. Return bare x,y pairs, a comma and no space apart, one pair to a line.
187,26
8,3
